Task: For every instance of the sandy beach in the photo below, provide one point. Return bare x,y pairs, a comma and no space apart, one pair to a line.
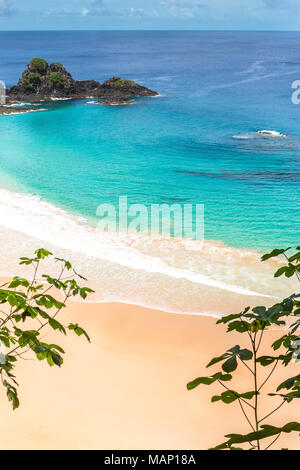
127,389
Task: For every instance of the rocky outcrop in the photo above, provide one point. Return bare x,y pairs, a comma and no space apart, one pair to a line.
42,81
6,111
117,90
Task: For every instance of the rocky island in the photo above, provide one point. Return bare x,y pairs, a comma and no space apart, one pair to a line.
42,81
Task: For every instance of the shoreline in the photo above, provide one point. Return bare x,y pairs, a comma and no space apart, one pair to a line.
113,261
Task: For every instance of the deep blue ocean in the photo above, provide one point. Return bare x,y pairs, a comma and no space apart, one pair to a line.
195,143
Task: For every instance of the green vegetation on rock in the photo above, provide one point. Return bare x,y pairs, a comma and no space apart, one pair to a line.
27,85
30,81
56,79
39,65
43,79
121,82
34,77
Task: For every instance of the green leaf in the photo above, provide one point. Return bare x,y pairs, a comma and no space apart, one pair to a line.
295,257
57,359
245,354
55,346
17,281
229,396
50,359
288,397
56,325
273,254
200,381
285,341
79,331
261,311
278,343
215,360
41,253
230,365
266,431
289,383
216,398
5,340
281,271
248,395
12,394
66,264
239,326
208,380
266,360
230,358
229,318
286,358
288,271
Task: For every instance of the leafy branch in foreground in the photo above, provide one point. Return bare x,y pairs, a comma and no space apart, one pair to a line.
254,323
31,301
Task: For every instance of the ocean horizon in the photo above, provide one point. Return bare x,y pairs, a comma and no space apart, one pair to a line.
198,142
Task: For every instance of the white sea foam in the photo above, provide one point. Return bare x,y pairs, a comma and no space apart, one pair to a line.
17,105
122,104
53,98
271,133
263,133
40,219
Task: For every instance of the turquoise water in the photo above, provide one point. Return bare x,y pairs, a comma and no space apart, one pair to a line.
195,143
79,155
179,146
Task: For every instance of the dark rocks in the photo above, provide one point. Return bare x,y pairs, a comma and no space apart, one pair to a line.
117,91
6,111
116,86
42,81
117,101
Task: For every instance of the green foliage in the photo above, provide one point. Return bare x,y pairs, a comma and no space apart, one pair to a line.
79,331
24,300
27,85
39,65
31,80
121,83
265,432
34,78
230,396
253,323
231,357
56,79
208,380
